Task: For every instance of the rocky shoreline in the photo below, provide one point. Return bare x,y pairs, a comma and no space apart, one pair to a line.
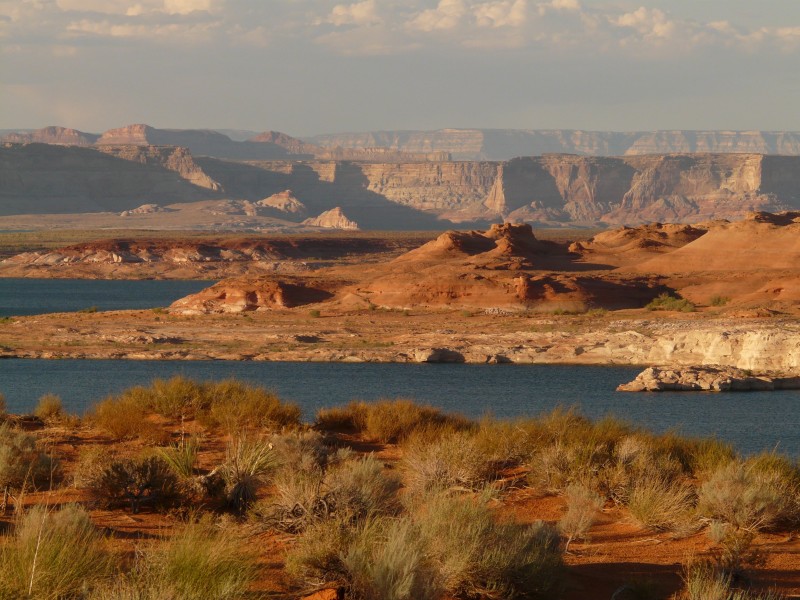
708,378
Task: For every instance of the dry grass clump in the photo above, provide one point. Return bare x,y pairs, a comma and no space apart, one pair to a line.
53,555
702,581
199,561
663,504
23,465
329,486
49,408
389,421
230,405
125,417
449,547
451,460
475,556
233,406
582,507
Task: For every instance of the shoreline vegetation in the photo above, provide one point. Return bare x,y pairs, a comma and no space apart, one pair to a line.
216,489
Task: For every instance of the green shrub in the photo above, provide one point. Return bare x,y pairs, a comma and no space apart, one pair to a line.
248,462
181,457
475,556
719,300
671,303
135,481
49,409
53,555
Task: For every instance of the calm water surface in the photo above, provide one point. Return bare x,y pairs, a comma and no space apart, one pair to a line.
36,296
752,421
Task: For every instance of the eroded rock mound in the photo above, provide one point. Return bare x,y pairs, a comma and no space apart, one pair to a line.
632,244
760,242
251,294
284,205
332,219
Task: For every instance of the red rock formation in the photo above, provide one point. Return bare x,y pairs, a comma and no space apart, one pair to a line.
249,294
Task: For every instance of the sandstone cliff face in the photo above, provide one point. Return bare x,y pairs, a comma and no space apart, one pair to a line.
175,159
53,135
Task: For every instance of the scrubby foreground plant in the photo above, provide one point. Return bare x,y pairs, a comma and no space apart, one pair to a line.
199,561
444,547
53,555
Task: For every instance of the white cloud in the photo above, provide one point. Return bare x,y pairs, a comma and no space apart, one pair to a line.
505,13
447,15
649,23
133,9
360,13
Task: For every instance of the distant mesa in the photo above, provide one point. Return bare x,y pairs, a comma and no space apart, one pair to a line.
61,136
332,219
287,142
201,142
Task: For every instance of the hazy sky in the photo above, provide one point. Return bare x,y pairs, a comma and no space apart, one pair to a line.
315,66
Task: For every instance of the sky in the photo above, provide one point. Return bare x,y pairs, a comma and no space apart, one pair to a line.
316,66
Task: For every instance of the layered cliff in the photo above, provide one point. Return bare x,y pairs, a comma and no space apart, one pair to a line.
504,144
201,142
552,189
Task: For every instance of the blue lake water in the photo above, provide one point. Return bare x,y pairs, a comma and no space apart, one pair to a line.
37,296
752,421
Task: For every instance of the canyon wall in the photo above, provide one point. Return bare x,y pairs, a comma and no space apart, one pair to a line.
552,189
